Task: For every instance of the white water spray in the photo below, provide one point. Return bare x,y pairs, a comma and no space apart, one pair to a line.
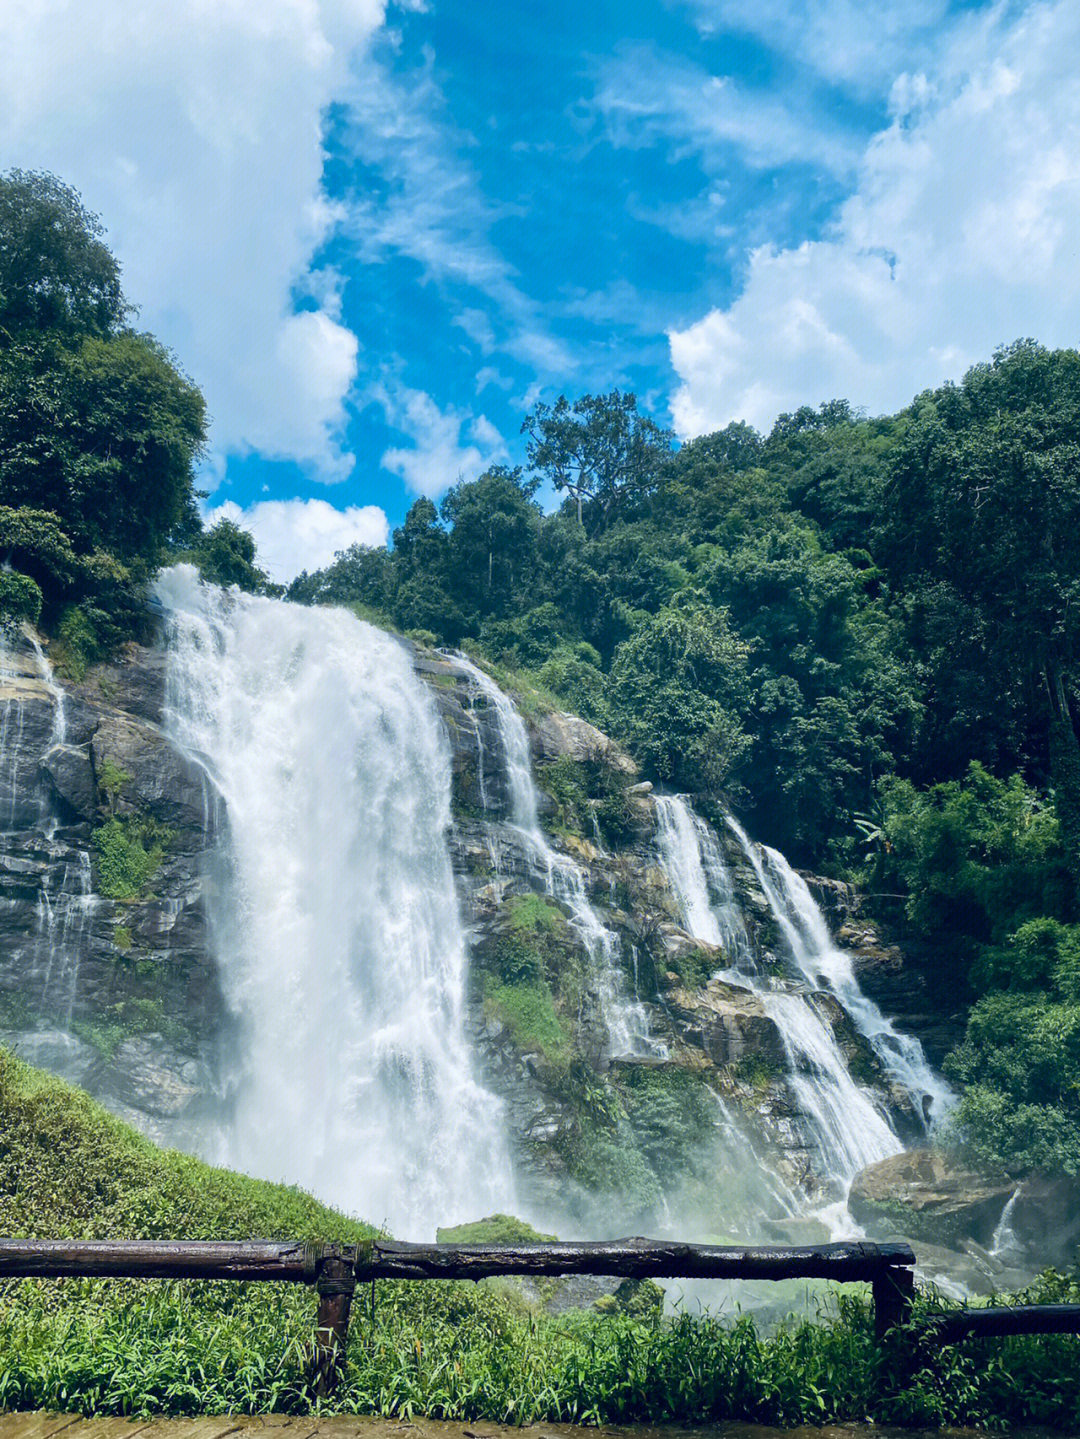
337,930
564,880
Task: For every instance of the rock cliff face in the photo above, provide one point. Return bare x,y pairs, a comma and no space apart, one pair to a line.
111,839
118,995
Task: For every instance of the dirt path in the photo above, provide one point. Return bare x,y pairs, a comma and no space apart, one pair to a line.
39,1425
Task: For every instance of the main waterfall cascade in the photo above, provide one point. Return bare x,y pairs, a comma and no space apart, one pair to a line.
338,935
563,879
848,1127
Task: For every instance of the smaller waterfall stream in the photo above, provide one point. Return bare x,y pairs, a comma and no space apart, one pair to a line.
65,907
563,878
824,965
848,1130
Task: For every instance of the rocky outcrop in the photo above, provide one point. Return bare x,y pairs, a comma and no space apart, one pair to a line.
1042,1224
117,995
922,1194
559,735
901,988
727,1024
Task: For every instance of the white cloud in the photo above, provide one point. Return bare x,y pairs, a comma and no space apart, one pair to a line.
960,235
295,535
431,207
852,42
646,98
194,128
440,454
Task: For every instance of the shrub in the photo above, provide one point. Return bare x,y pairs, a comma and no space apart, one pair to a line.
130,851
20,599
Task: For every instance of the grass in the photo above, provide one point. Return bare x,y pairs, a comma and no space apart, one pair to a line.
448,1350
70,1170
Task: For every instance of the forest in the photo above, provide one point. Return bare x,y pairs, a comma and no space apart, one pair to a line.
860,630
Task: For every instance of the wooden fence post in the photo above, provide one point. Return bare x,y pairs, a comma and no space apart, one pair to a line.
893,1289
334,1285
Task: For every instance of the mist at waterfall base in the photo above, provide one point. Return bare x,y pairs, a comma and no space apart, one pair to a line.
334,916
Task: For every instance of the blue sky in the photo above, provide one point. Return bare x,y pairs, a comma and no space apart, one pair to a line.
377,233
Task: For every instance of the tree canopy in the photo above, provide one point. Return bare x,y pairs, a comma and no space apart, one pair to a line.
100,432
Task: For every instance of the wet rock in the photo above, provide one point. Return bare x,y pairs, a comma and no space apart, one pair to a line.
55,1050
923,1194
159,780
132,683
71,775
727,1023
1045,1218
555,735
149,1077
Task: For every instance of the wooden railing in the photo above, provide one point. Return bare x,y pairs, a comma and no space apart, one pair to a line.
334,1270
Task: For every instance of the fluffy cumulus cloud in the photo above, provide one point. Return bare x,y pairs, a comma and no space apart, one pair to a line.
295,535
447,444
194,129
960,236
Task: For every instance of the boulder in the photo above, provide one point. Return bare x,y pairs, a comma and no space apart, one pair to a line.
558,734
728,1023
57,1051
1045,1219
71,775
923,1194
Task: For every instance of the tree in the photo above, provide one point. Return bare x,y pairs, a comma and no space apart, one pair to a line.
493,538
984,496
56,273
34,542
225,555
360,574
599,450
103,432
677,688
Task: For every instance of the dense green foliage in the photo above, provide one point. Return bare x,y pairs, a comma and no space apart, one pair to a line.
100,436
449,1350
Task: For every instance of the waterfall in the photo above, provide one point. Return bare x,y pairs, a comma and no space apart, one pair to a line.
701,881
335,924
66,904
63,921
825,966
848,1130
563,879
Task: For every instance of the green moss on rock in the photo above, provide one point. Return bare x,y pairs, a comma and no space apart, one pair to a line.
495,1229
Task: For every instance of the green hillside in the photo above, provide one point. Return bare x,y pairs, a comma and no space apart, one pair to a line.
69,1169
